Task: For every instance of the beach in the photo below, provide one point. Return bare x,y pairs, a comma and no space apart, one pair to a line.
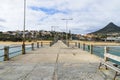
71,42
20,43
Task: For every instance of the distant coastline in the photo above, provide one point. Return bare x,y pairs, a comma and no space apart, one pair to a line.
97,43
7,43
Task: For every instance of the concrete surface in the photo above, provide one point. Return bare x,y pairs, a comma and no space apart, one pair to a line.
54,63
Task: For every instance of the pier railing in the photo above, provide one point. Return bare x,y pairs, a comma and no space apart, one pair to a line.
1,55
98,50
11,51
69,43
66,42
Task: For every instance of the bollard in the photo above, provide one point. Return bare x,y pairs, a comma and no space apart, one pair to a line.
37,44
41,44
23,49
32,46
78,45
6,53
91,49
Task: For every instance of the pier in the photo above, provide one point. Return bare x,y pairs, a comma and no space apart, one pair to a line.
56,62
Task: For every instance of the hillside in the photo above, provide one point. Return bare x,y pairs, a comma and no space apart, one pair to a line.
110,28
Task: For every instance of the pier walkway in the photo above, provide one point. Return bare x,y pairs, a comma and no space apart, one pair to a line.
53,63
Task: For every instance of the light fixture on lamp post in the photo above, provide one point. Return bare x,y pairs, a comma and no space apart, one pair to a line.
67,25
23,45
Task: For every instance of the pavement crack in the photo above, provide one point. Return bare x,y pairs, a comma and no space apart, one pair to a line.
26,75
55,73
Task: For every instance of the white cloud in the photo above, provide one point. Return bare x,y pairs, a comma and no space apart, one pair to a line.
88,15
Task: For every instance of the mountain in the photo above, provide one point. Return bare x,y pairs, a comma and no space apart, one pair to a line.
110,28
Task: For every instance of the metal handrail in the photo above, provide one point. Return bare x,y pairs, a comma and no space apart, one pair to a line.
15,52
2,49
15,46
115,50
1,55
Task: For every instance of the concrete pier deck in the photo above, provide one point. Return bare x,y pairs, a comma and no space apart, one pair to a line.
54,63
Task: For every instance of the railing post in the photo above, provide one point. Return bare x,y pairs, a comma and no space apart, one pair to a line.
6,53
91,49
23,48
106,49
68,43
78,45
37,44
83,46
41,44
32,46
50,44
75,44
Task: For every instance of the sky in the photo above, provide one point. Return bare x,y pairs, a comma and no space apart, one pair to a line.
87,15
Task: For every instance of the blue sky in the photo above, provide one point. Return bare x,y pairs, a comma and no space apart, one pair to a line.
48,11
88,15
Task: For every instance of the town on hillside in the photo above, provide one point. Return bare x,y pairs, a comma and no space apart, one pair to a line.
109,33
34,35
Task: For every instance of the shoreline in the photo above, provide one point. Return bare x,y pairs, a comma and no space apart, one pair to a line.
97,43
71,42
20,43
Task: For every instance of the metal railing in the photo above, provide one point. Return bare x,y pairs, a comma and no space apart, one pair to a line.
98,50
11,51
2,51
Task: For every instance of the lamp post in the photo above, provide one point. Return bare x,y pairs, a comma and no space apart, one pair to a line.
67,26
23,45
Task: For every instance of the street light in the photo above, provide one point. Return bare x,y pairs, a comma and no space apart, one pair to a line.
23,45
67,25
